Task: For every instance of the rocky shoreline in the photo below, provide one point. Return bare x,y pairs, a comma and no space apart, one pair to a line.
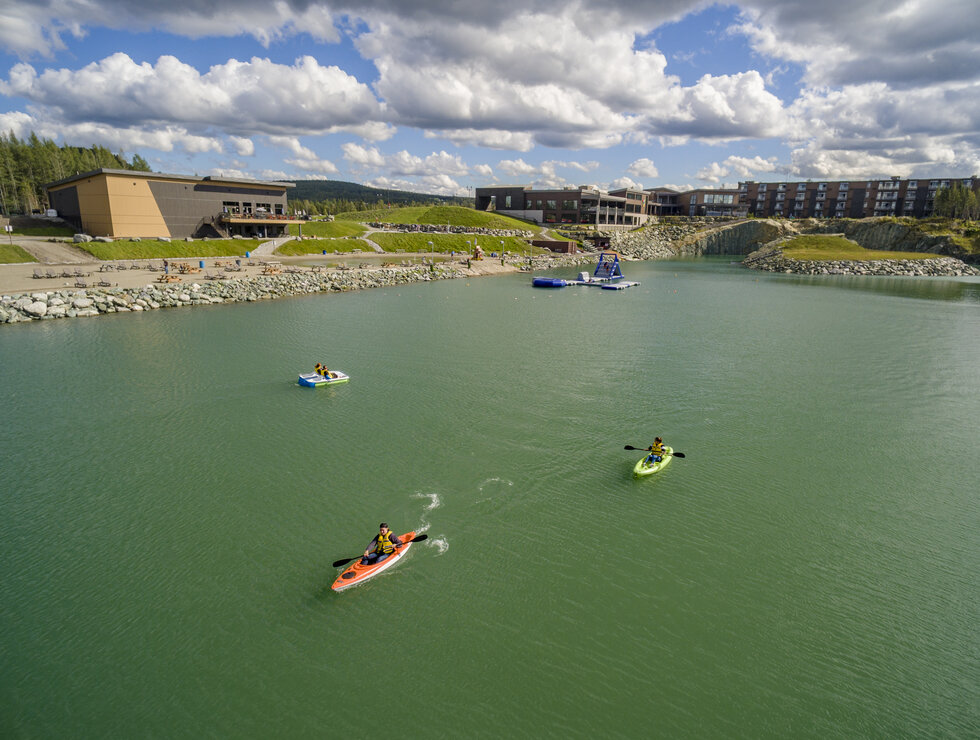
82,302
772,260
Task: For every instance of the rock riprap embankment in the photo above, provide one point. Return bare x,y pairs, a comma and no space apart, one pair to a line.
71,303
772,260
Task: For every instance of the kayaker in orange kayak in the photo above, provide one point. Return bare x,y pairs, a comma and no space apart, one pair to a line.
383,544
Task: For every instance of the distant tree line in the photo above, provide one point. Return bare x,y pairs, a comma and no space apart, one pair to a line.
956,202
27,165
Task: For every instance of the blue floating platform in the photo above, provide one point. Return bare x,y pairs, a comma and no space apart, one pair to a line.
607,276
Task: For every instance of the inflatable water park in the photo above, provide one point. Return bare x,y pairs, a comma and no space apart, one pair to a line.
608,275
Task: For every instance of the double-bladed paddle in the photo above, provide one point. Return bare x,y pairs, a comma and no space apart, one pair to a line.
416,538
647,449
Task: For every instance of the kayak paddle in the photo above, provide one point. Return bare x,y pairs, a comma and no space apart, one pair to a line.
641,449
338,563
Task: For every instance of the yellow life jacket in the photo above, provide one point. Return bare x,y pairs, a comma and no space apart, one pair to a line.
657,449
384,546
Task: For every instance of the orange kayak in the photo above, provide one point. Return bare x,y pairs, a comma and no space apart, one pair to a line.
358,573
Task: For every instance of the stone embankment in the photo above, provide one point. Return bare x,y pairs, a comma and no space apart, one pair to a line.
771,259
760,238
72,303
665,240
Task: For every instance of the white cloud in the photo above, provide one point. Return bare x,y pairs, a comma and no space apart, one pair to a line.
516,167
243,98
643,168
29,29
362,156
625,182
483,169
244,147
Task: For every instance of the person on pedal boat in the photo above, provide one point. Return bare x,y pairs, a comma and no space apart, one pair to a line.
383,545
656,451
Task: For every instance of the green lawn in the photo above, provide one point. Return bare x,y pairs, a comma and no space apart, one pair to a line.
11,253
820,247
452,215
329,229
297,248
124,249
443,243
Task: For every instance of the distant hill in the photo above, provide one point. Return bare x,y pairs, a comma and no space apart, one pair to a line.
337,190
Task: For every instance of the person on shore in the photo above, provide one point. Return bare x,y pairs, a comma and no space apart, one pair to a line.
383,545
656,451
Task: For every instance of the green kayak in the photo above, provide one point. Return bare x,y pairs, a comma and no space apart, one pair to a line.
641,468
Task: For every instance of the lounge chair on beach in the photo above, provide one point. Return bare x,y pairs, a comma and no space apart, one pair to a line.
81,284
38,274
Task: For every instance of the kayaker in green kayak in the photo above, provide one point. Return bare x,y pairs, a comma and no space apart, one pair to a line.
383,544
656,451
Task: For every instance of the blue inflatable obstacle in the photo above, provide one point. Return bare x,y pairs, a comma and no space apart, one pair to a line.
543,282
608,275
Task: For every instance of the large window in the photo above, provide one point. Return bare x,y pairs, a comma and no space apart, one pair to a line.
719,198
569,205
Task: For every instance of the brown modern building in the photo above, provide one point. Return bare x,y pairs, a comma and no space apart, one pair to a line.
576,205
623,208
845,199
123,203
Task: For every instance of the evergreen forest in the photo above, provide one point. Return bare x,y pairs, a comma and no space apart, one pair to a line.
27,165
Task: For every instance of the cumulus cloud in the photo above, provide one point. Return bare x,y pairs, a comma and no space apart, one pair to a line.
30,29
244,147
906,44
736,165
304,159
243,98
362,156
625,182
885,84
436,184
643,167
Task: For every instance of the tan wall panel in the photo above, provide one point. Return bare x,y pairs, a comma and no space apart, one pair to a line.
93,203
134,209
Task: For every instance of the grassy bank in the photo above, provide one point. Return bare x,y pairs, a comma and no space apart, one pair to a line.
124,249
419,242
12,254
821,247
297,248
329,229
439,215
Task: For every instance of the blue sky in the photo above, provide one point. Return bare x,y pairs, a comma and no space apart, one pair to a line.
442,96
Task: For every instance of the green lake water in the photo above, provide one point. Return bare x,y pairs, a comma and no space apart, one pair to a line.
171,502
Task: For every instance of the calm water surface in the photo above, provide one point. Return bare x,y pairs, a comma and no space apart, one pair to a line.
171,501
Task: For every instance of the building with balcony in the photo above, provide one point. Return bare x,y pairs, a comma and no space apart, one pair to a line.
624,208
845,199
124,203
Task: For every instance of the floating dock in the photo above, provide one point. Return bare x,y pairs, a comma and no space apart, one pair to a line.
607,276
